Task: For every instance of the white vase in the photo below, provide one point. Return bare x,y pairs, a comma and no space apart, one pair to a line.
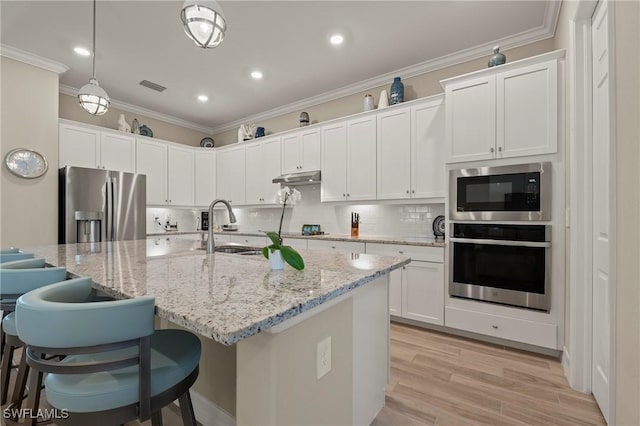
368,103
383,102
276,260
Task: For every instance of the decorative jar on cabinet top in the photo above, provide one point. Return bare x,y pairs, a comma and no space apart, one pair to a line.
368,103
397,91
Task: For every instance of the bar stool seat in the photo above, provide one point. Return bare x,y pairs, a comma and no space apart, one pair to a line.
9,324
116,367
8,257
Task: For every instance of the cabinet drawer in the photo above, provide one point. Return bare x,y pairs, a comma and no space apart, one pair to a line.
248,240
421,253
533,333
220,238
346,246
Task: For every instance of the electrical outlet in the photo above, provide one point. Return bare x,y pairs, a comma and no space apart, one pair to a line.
323,358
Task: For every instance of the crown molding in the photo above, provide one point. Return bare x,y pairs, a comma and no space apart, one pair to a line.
32,59
72,91
536,34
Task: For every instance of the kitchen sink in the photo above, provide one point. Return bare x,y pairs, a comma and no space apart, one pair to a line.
235,249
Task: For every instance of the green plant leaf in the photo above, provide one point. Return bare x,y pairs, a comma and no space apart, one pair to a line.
265,250
292,257
275,238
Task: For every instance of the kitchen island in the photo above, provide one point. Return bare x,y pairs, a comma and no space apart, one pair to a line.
311,346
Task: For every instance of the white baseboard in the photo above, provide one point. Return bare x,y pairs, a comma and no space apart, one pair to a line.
566,360
209,414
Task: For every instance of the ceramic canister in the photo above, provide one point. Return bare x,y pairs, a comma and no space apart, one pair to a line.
368,103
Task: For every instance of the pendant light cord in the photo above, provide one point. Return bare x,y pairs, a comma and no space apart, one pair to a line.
94,40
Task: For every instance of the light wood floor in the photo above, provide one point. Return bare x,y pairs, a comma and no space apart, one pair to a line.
440,379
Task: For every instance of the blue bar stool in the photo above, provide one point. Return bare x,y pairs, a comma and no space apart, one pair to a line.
16,279
8,255
116,367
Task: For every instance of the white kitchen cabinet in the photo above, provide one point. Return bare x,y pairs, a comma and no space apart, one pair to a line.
410,151
503,112
151,160
180,176
394,154
205,176
301,151
416,291
349,160
342,246
428,174
262,166
249,240
87,147
230,174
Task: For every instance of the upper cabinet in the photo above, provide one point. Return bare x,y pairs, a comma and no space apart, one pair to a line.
301,151
262,166
88,147
180,176
152,161
230,174
205,176
410,148
502,112
349,160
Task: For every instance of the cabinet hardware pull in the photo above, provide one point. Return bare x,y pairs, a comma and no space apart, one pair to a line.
492,150
413,191
348,195
499,149
333,247
407,191
344,195
495,327
400,251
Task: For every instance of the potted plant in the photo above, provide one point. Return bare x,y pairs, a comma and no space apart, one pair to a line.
276,252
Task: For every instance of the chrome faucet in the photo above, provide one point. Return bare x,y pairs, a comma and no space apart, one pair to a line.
232,219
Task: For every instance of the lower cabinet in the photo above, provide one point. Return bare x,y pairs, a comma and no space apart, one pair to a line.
248,240
344,246
416,291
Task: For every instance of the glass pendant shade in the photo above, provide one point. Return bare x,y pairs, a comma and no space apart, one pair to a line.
203,22
93,98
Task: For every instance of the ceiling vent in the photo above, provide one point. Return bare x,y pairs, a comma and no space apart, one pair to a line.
153,86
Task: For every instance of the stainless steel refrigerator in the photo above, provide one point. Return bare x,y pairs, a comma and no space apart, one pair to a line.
101,205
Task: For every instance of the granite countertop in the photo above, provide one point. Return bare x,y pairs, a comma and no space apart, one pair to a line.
225,297
414,241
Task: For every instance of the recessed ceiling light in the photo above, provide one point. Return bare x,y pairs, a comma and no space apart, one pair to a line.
336,39
203,98
256,75
82,51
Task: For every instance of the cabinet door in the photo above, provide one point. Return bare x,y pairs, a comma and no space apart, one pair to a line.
527,110
361,167
394,154
334,162
151,160
395,292
471,119
271,157
310,149
254,173
181,176
291,155
78,146
118,152
427,150
205,177
230,173
342,246
423,292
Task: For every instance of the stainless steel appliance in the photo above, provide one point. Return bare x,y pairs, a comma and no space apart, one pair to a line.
101,205
507,193
508,264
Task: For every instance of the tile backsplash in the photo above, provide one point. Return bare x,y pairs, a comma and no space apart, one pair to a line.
393,220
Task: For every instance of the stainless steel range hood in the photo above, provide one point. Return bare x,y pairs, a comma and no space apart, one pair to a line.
302,178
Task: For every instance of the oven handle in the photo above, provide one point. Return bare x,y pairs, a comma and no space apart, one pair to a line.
501,242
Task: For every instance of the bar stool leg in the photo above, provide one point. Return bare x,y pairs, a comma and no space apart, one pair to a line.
21,382
186,408
7,358
33,400
156,418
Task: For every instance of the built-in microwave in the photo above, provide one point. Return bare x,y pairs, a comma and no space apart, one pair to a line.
505,193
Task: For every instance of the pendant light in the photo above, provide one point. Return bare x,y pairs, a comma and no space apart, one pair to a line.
203,22
91,96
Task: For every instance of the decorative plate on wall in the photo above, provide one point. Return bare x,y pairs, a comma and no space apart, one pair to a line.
26,163
439,227
206,143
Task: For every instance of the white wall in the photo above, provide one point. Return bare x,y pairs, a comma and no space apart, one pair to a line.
29,207
404,220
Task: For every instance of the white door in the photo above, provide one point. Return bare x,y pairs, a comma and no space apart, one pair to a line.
310,147
254,175
601,356
118,152
271,157
361,166
205,177
291,156
394,154
427,150
395,292
151,160
423,292
78,146
230,172
181,174
334,162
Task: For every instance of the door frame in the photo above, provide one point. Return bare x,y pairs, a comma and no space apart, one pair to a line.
579,351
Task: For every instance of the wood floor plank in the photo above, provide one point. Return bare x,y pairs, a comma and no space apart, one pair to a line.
414,409
390,416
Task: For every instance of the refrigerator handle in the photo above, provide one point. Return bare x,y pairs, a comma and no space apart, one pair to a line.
109,212
112,183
